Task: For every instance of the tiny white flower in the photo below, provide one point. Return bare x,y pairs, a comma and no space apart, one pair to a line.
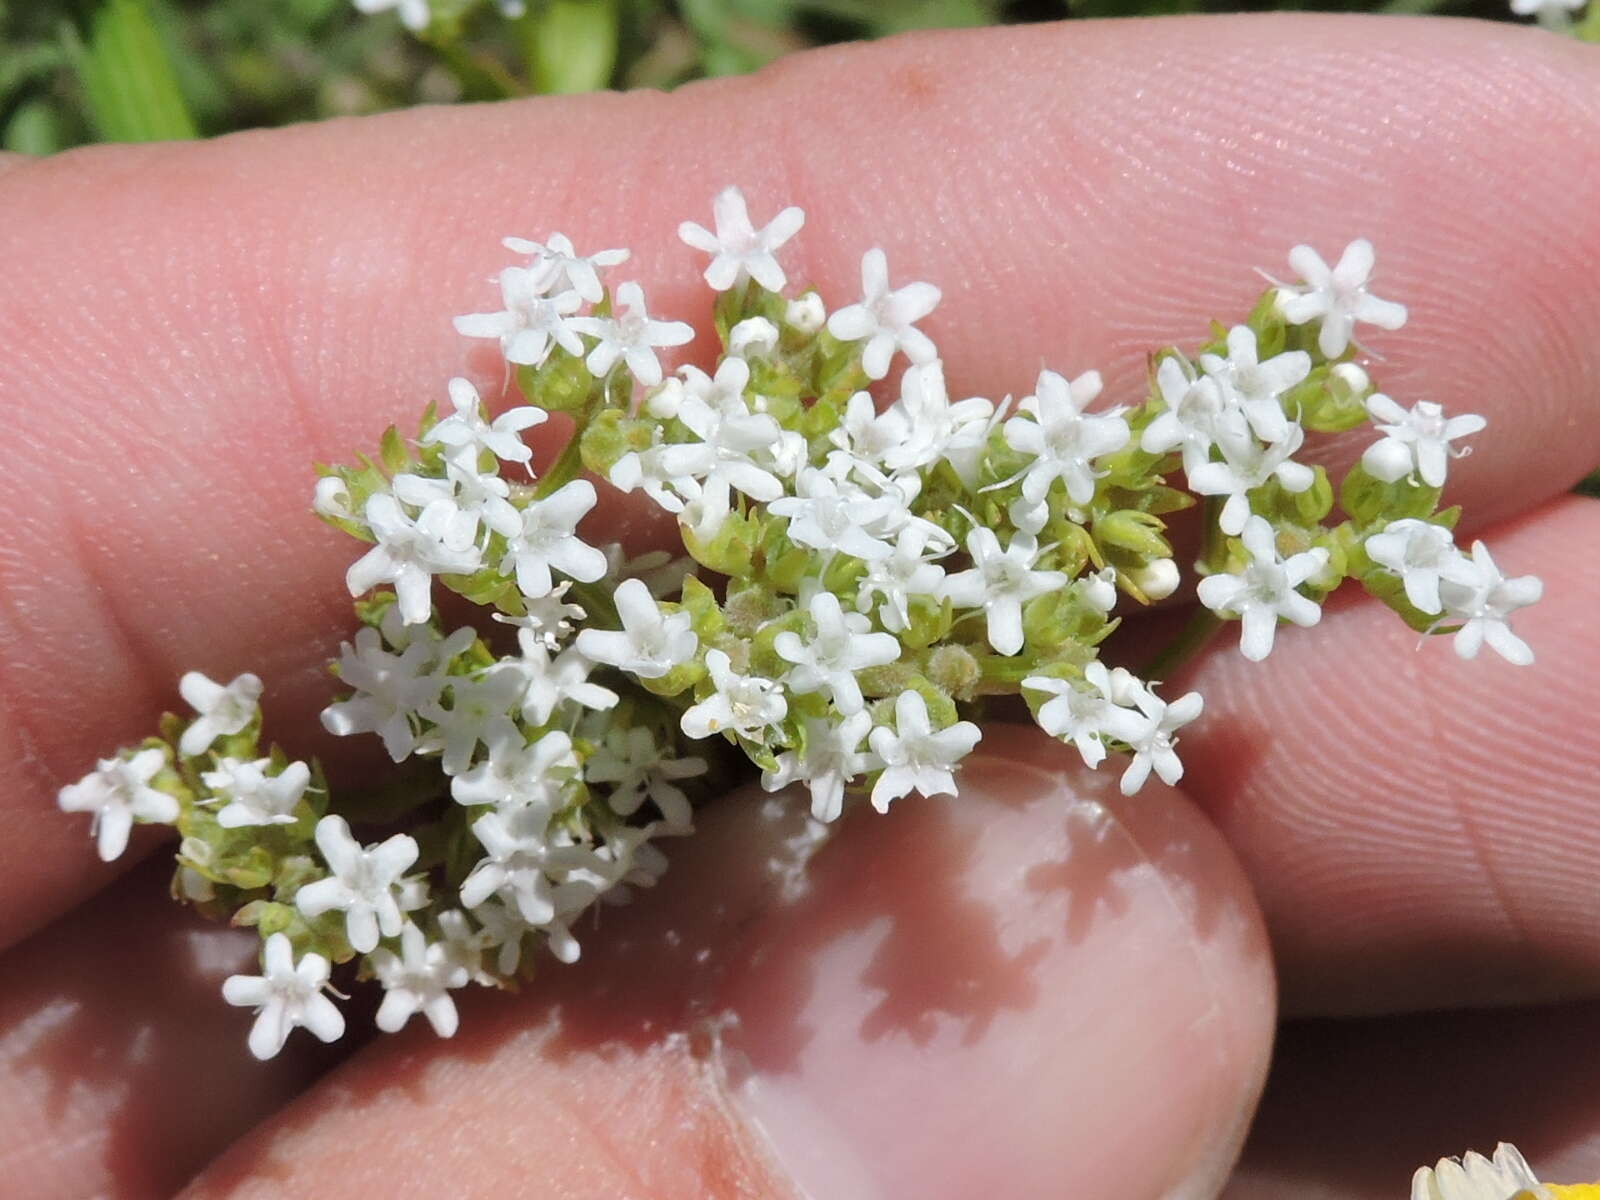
738,248
631,338
285,995
649,643
548,541
805,314
1248,464
894,580
833,517
223,711
1337,295
742,704
1000,582
1152,740
1099,589
532,322
1418,440
1486,604
552,681
1196,415
753,337
414,15
932,428
915,756
418,979
480,711
504,931
831,759
117,792
1086,716
545,619
464,946
1061,438
1474,1177
841,646
1422,554
521,858
250,796
520,775
630,761
465,429
1257,387
557,255
410,552
884,319
391,689
363,883
477,498
1265,589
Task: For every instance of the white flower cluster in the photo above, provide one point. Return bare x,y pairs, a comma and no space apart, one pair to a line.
870,575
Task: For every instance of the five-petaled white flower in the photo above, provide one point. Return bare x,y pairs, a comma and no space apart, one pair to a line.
1485,604
466,430
1422,554
1000,582
418,979
636,767
831,759
1088,716
1338,295
1195,417
915,756
884,319
841,646
632,337
548,541
410,552
480,711
738,247
117,791
222,710
250,796
518,775
521,858
363,883
1248,464
1265,589
285,995
927,427
1475,1177
833,516
895,580
391,688
1256,388
552,680
1063,441
742,704
650,643
532,321
1418,440
477,497
1152,740
557,257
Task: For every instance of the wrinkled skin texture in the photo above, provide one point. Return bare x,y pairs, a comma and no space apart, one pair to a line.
1041,990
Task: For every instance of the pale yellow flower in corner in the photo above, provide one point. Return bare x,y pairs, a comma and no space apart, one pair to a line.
1506,1177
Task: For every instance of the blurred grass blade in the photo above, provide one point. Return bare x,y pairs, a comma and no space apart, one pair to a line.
573,46
128,83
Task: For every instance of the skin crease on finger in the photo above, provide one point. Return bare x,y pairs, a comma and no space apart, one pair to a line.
1042,987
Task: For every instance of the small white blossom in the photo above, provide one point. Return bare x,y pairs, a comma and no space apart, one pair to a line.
734,445
1248,464
466,430
552,681
632,337
1474,1177
480,711
742,704
1152,740
738,248
1485,604
841,646
558,257
414,15
831,759
894,580
884,319
1265,589
915,757
117,792
223,711
520,775
650,643
1087,716
547,541
363,883
391,689
410,552
1256,388
1422,554
833,517
522,856
1099,589
250,796
504,931
545,619
477,498
1196,415
1337,295
931,428
1000,582
285,995
418,979
631,762
1418,440
532,321
1061,438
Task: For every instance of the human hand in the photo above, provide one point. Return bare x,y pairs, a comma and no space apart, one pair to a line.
1042,989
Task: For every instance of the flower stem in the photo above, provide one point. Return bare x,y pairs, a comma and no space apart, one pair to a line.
1196,633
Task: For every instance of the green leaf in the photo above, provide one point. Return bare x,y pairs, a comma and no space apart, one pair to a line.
572,45
128,81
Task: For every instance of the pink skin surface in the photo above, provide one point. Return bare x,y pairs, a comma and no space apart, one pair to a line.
1024,993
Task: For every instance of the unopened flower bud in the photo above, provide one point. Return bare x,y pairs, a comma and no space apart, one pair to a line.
1157,579
332,499
1387,459
1348,381
753,336
805,314
1100,589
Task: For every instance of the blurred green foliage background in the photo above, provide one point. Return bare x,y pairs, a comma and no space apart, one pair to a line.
75,71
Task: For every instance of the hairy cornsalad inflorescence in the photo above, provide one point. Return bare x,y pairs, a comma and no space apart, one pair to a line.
858,581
